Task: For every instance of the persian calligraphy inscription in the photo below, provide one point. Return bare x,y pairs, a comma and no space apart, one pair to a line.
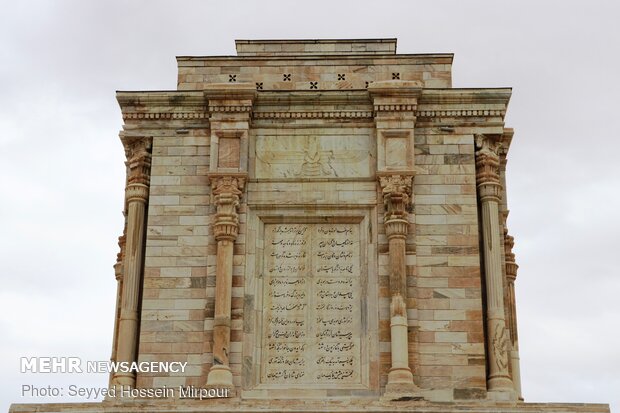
311,304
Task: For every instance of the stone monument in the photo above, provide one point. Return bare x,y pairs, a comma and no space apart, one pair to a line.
318,225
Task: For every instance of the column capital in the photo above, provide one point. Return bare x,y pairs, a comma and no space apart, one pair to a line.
120,257
396,189
395,182
222,182
506,140
487,167
227,190
137,152
511,265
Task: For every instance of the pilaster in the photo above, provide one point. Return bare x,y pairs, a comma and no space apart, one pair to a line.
226,190
230,107
394,107
511,276
137,150
489,195
118,275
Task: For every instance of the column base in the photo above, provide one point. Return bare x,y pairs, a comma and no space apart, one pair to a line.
500,384
400,386
502,396
501,389
220,377
126,380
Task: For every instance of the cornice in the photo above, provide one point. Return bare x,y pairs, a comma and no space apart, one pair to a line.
288,60
486,96
395,89
197,105
162,105
314,98
229,91
172,99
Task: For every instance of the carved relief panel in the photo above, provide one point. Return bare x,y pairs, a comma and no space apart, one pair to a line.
310,154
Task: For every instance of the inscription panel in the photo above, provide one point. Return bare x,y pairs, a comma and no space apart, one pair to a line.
311,304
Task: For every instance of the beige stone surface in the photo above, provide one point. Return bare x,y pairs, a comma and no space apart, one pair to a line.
313,223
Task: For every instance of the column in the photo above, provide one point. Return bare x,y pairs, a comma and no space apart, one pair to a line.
118,275
394,104
396,195
230,108
489,194
511,276
136,197
227,192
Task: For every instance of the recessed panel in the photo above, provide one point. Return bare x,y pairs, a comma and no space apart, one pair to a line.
312,315
303,156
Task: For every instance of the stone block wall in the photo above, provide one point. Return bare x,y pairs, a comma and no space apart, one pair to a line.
314,153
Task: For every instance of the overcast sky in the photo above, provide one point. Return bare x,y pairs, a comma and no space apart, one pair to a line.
62,173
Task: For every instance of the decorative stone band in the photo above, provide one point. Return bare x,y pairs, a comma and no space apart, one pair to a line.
490,190
342,114
395,108
220,321
226,230
459,113
137,193
230,108
164,115
396,228
351,114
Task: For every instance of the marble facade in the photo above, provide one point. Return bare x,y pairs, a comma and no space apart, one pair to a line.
322,225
